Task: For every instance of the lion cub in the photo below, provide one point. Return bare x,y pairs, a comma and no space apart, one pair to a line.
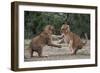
74,41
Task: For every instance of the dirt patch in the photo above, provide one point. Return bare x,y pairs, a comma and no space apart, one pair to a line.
57,53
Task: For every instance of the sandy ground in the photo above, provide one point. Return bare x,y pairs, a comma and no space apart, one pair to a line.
57,53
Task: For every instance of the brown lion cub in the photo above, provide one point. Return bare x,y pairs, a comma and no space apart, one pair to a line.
44,38
74,42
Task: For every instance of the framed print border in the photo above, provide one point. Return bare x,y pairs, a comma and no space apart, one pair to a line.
15,34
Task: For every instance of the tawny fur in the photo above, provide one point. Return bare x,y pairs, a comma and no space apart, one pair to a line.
44,38
74,41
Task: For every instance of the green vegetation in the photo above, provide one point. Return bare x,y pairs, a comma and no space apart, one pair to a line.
35,22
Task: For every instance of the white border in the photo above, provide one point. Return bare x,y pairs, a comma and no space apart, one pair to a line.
23,64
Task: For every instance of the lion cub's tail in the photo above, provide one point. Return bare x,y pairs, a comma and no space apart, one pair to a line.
86,37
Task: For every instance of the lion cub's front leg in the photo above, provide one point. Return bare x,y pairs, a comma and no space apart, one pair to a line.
70,44
72,48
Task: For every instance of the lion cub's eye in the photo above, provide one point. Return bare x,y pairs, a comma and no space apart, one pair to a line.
62,29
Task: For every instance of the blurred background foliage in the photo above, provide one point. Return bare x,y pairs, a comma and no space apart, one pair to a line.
34,22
